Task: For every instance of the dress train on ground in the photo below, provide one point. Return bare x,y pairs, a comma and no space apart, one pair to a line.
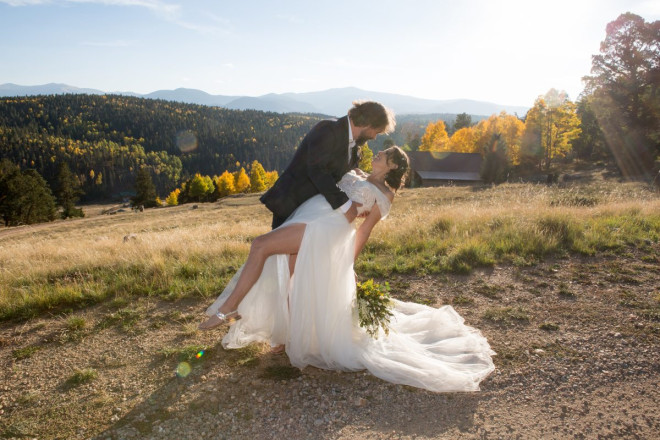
313,314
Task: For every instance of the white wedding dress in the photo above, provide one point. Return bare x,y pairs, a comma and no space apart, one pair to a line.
313,314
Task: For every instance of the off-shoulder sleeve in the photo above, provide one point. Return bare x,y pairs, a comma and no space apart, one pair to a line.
383,203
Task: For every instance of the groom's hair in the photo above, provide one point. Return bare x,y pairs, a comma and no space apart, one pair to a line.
372,114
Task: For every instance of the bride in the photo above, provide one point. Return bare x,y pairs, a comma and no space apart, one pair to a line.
310,309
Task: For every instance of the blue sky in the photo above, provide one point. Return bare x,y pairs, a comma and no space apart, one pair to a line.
507,51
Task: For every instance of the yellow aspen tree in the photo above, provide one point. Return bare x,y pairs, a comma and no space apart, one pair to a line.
507,128
464,141
435,137
200,187
271,178
257,177
367,156
173,198
242,181
224,185
511,129
550,128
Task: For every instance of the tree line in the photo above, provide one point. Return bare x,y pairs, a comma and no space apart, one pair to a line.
616,119
26,197
202,188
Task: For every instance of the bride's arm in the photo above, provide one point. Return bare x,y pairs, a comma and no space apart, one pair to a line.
365,228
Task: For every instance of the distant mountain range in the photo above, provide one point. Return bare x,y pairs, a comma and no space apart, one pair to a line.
333,102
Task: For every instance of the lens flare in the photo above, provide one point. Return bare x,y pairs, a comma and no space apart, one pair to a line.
199,354
186,141
183,369
439,155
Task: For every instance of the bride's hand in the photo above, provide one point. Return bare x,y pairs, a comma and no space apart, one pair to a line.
352,212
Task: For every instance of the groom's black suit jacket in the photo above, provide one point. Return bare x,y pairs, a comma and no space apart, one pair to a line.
317,165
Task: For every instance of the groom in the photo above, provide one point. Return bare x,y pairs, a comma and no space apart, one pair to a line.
327,152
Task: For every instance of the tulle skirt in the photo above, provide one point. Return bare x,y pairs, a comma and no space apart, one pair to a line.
313,314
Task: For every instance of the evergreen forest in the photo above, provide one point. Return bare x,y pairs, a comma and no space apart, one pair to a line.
106,139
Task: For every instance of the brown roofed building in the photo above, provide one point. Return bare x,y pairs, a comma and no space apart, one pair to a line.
435,168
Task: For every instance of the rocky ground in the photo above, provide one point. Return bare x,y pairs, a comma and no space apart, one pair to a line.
578,357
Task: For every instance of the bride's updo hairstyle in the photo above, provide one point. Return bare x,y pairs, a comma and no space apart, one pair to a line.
396,177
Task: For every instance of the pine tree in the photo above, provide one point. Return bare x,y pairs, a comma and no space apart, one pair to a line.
625,89
25,197
68,191
463,120
495,168
145,190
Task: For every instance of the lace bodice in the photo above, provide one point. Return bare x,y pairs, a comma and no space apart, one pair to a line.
359,190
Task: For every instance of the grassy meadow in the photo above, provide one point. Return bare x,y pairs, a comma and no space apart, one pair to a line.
178,252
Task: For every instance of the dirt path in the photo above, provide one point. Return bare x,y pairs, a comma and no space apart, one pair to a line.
577,342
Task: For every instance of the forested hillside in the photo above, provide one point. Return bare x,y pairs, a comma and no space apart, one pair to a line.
105,139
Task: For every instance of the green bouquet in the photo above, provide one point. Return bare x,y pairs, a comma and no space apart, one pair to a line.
374,307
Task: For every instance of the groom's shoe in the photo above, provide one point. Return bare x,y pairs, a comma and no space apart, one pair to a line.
219,319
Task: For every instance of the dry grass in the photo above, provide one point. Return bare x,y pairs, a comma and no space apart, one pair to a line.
581,329
455,229
181,251
176,251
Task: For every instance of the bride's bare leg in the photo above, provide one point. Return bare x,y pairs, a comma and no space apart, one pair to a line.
280,241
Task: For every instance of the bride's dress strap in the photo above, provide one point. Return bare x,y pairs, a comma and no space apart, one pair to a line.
383,202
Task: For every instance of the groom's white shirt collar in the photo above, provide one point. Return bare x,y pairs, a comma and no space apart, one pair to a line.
351,141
